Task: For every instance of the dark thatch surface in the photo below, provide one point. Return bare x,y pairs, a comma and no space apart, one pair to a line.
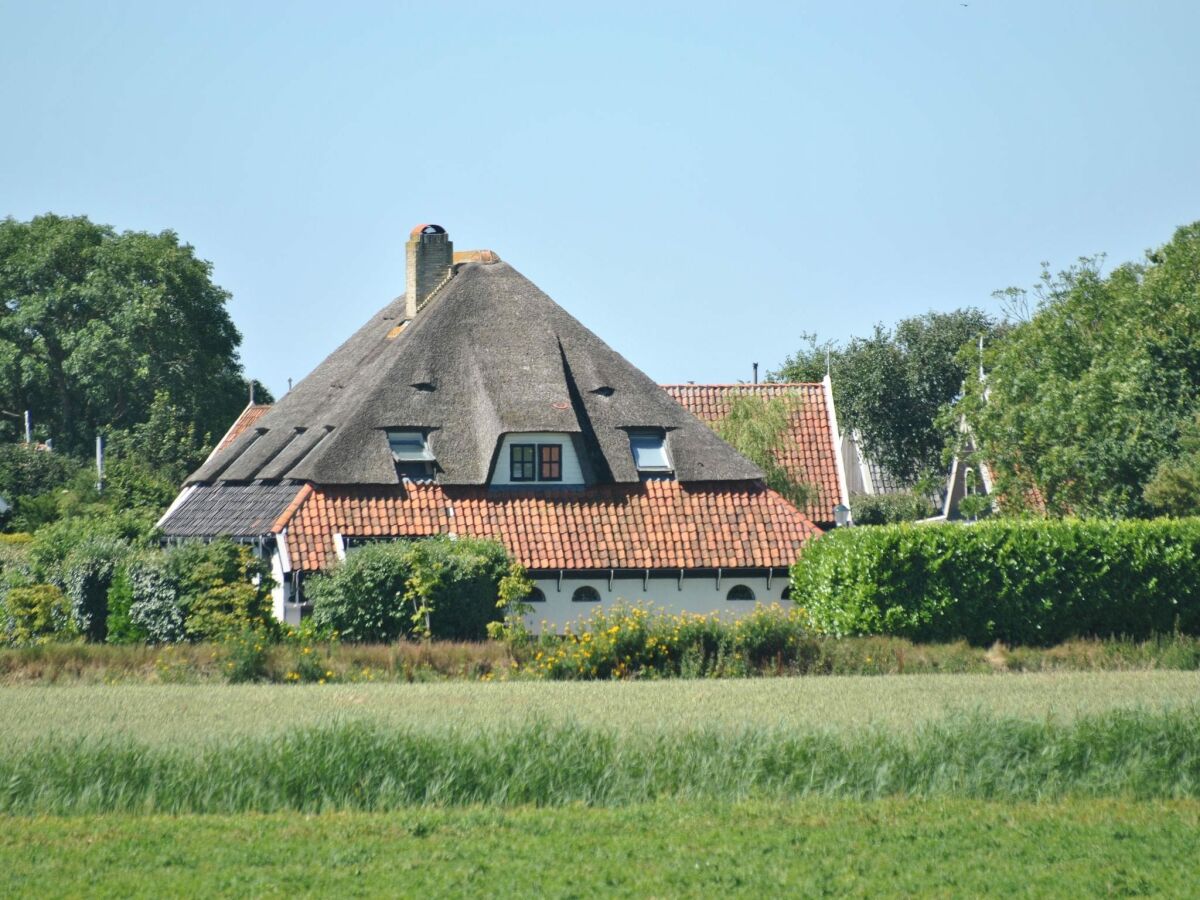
236,510
490,354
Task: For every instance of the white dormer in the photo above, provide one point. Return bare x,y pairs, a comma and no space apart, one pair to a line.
537,459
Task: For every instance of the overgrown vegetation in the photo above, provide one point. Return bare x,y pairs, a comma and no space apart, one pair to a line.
887,509
300,656
891,386
1021,582
359,766
757,427
436,587
1096,389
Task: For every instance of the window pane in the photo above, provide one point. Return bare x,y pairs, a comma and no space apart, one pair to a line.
551,460
409,446
585,594
521,462
649,451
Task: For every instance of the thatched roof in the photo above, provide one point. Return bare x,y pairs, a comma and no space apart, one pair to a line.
488,355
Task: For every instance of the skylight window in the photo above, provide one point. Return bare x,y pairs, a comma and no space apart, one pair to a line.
649,450
409,446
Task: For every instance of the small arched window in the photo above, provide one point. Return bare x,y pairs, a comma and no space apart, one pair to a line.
787,594
585,594
740,592
535,596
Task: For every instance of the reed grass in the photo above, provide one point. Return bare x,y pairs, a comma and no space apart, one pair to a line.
361,766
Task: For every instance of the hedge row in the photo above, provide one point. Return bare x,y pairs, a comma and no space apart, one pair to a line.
1020,582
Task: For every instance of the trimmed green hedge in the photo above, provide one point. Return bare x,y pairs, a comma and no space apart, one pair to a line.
1020,582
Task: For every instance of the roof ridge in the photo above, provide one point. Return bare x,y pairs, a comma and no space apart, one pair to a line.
741,384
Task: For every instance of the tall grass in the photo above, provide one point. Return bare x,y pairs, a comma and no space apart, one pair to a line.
406,661
360,766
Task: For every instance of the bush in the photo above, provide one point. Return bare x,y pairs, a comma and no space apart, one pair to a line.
87,574
155,607
1020,582
459,582
121,627
638,641
244,655
36,614
885,509
223,589
362,598
383,591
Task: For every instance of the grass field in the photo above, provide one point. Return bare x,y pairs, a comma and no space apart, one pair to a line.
860,786
810,848
191,714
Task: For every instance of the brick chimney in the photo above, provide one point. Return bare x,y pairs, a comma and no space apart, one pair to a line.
429,259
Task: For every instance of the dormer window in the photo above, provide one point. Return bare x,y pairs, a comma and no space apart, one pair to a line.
409,446
649,450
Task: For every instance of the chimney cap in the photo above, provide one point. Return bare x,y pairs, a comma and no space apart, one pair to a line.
426,229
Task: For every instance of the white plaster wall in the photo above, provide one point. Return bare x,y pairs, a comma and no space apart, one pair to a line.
279,591
698,595
571,473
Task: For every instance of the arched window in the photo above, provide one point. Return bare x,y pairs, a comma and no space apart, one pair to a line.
787,594
585,594
740,592
535,596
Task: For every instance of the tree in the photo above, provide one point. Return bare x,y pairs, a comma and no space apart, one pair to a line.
1091,395
757,427
95,324
890,387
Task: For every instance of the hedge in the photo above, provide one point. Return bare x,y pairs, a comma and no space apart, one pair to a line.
1019,582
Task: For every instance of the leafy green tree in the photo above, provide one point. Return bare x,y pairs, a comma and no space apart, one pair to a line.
95,324
1175,488
889,387
1086,399
757,427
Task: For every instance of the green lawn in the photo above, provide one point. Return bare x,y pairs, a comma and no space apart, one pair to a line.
191,714
810,848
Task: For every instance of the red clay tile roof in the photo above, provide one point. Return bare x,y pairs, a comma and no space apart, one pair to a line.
248,417
656,524
810,453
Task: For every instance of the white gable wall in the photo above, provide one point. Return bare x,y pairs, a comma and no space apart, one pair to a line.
571,472
694,594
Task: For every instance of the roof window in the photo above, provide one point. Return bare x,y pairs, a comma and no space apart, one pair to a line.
409,446
649,450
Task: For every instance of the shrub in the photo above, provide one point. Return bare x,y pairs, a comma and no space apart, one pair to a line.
244,655
155,607
223,589
1020,582
885,509
121,627
36,614
87,574
638,641
362,598
387,590
458,583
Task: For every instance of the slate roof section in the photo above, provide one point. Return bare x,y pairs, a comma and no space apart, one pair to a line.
810,452
234,510
655,524
488,355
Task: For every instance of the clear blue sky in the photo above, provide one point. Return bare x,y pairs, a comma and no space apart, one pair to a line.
697,183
